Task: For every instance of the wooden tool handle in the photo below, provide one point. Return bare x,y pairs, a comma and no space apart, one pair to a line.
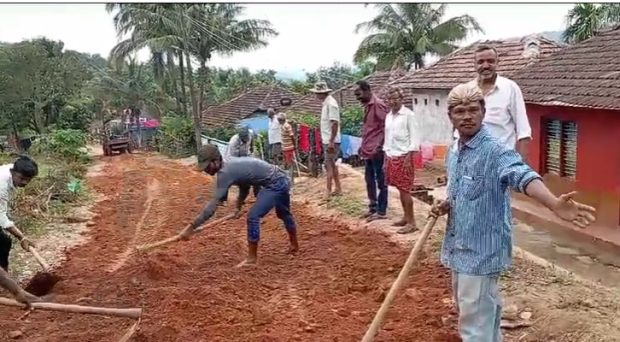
38,257
177,237
130,313
404,272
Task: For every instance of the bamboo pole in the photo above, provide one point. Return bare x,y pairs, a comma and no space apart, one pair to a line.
404,272
130,313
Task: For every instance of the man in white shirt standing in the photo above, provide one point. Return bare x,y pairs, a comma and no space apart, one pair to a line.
12,176
505,117
400,147
330,135
274,136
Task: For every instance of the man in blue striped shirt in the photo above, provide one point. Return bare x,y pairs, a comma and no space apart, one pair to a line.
478,241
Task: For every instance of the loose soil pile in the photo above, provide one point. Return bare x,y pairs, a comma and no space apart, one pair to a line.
191,291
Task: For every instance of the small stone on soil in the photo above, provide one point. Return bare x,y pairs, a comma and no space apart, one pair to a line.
15,334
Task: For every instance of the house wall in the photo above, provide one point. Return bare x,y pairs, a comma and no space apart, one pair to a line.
598,156
431,112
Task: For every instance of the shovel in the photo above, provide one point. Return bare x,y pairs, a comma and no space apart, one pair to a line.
42,282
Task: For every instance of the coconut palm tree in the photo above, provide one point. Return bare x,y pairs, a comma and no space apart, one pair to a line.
584,20
191,31
221,32
404,33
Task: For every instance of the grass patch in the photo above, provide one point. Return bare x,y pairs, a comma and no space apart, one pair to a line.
348,205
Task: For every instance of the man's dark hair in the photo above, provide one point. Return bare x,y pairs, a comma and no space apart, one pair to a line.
363,85
25,166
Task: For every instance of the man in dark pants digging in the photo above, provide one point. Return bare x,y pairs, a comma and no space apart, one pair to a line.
246,172
12,176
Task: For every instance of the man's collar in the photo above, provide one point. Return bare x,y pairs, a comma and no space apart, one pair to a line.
475,141
399,111
373,100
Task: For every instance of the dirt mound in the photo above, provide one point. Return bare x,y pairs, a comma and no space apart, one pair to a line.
191,291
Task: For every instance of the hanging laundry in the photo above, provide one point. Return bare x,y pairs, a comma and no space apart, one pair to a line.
355,145
304,138
317,141
344,145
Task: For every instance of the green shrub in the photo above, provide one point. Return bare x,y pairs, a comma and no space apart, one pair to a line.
66,144
221,133
175,137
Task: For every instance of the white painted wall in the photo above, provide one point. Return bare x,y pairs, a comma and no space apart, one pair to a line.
431,110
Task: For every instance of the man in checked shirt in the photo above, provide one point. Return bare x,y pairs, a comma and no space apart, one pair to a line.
478,240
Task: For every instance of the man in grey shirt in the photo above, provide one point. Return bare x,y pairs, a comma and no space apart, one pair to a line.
246,172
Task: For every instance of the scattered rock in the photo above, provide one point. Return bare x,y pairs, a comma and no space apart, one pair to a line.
390,269
526,315
309,328
511,312
412,293
15,334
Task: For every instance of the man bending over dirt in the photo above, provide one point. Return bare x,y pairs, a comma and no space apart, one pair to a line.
12,176
246,172
478,241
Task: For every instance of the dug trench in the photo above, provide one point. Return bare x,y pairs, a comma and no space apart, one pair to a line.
191,291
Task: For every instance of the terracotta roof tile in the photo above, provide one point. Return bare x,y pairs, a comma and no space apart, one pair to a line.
242,106
378,82
586,74
458,67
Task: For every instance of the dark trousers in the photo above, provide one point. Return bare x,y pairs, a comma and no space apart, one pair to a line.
5,249
276,194
375,179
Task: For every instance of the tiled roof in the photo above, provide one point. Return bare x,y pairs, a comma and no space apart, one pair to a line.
458,67
378,82
586,74
242,106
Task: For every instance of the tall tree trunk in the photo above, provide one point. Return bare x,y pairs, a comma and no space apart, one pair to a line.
173,78
203,81
195,113
183,93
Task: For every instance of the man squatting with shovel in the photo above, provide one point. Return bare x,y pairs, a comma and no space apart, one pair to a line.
246,172
12,176
477,244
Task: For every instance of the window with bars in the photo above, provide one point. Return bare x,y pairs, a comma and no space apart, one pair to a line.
561,148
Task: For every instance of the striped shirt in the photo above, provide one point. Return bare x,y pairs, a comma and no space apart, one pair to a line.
478,238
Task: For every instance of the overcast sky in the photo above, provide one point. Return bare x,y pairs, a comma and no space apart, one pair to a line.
311,35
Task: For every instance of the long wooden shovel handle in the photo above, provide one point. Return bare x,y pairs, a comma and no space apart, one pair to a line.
404,272
177,237
130,313
38,257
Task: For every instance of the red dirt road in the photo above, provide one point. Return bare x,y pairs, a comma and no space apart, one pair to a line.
191,291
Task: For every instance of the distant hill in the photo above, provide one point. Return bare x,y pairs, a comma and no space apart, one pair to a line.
288,75
553,35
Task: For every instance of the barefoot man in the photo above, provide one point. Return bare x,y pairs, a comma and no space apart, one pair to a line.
246,172
401,145
477,245
12,176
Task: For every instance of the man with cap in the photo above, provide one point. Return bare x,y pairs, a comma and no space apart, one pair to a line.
274,137
477,245
246,172
330,135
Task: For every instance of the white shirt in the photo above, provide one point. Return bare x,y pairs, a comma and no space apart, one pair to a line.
505,117
329,112
273,134
236,148
6,190
401,133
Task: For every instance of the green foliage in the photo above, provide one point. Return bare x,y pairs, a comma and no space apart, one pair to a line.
221,133
352,118
66,144
403,34
585,19
175,136
308,119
